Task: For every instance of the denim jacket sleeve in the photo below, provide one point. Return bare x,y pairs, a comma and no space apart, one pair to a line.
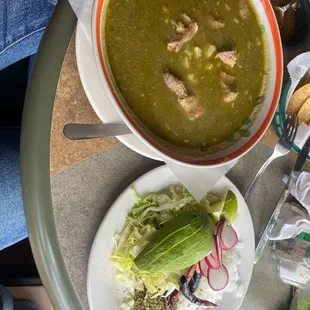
52,1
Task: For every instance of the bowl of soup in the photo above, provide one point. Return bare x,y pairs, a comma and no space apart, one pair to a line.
197,81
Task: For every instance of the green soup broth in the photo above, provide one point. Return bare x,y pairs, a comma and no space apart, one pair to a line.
135,35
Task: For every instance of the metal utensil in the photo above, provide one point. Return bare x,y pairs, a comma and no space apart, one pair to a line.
297,169
94,131
280,11
282,148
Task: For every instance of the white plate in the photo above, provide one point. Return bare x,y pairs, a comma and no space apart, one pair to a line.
98,96
103,290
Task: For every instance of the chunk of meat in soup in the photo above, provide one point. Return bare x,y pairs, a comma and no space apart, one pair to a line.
184,34
229,87
175,85
214,23
189,103
244,10
192,107
229,58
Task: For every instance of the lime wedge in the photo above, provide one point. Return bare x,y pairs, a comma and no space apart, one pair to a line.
216,208
230,208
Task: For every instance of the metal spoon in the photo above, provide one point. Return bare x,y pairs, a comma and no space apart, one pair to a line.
280,11
94,131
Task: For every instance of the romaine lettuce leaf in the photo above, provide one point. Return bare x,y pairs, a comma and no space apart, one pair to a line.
148,214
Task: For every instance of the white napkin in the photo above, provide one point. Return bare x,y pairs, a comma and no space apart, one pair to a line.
297,68
83,10
291,222
199,181
301,190
302,135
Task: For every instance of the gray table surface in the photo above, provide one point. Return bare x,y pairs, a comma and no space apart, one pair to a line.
83,193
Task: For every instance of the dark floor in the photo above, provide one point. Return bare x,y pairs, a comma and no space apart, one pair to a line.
17,266
13,83
18,254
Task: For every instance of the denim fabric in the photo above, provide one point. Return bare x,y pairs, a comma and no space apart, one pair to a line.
22,23
12,219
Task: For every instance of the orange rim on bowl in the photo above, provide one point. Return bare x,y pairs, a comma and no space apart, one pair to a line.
277,45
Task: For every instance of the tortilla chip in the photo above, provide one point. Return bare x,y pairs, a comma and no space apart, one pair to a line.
298,99
304,113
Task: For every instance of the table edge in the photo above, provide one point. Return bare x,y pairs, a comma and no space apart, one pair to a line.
35,159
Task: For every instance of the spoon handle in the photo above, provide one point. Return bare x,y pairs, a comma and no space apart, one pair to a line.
93,131
292,2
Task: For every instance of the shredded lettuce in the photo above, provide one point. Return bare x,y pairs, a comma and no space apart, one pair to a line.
147,216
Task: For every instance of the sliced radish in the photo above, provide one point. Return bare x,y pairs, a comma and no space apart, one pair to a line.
212,262
218,278
219,227
213,252
224,248
228,237
203,268
218,249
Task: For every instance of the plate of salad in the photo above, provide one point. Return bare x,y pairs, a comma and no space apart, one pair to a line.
159,249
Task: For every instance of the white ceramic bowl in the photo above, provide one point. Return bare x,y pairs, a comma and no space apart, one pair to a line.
250,132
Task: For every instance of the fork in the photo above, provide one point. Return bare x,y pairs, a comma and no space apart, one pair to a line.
282,148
